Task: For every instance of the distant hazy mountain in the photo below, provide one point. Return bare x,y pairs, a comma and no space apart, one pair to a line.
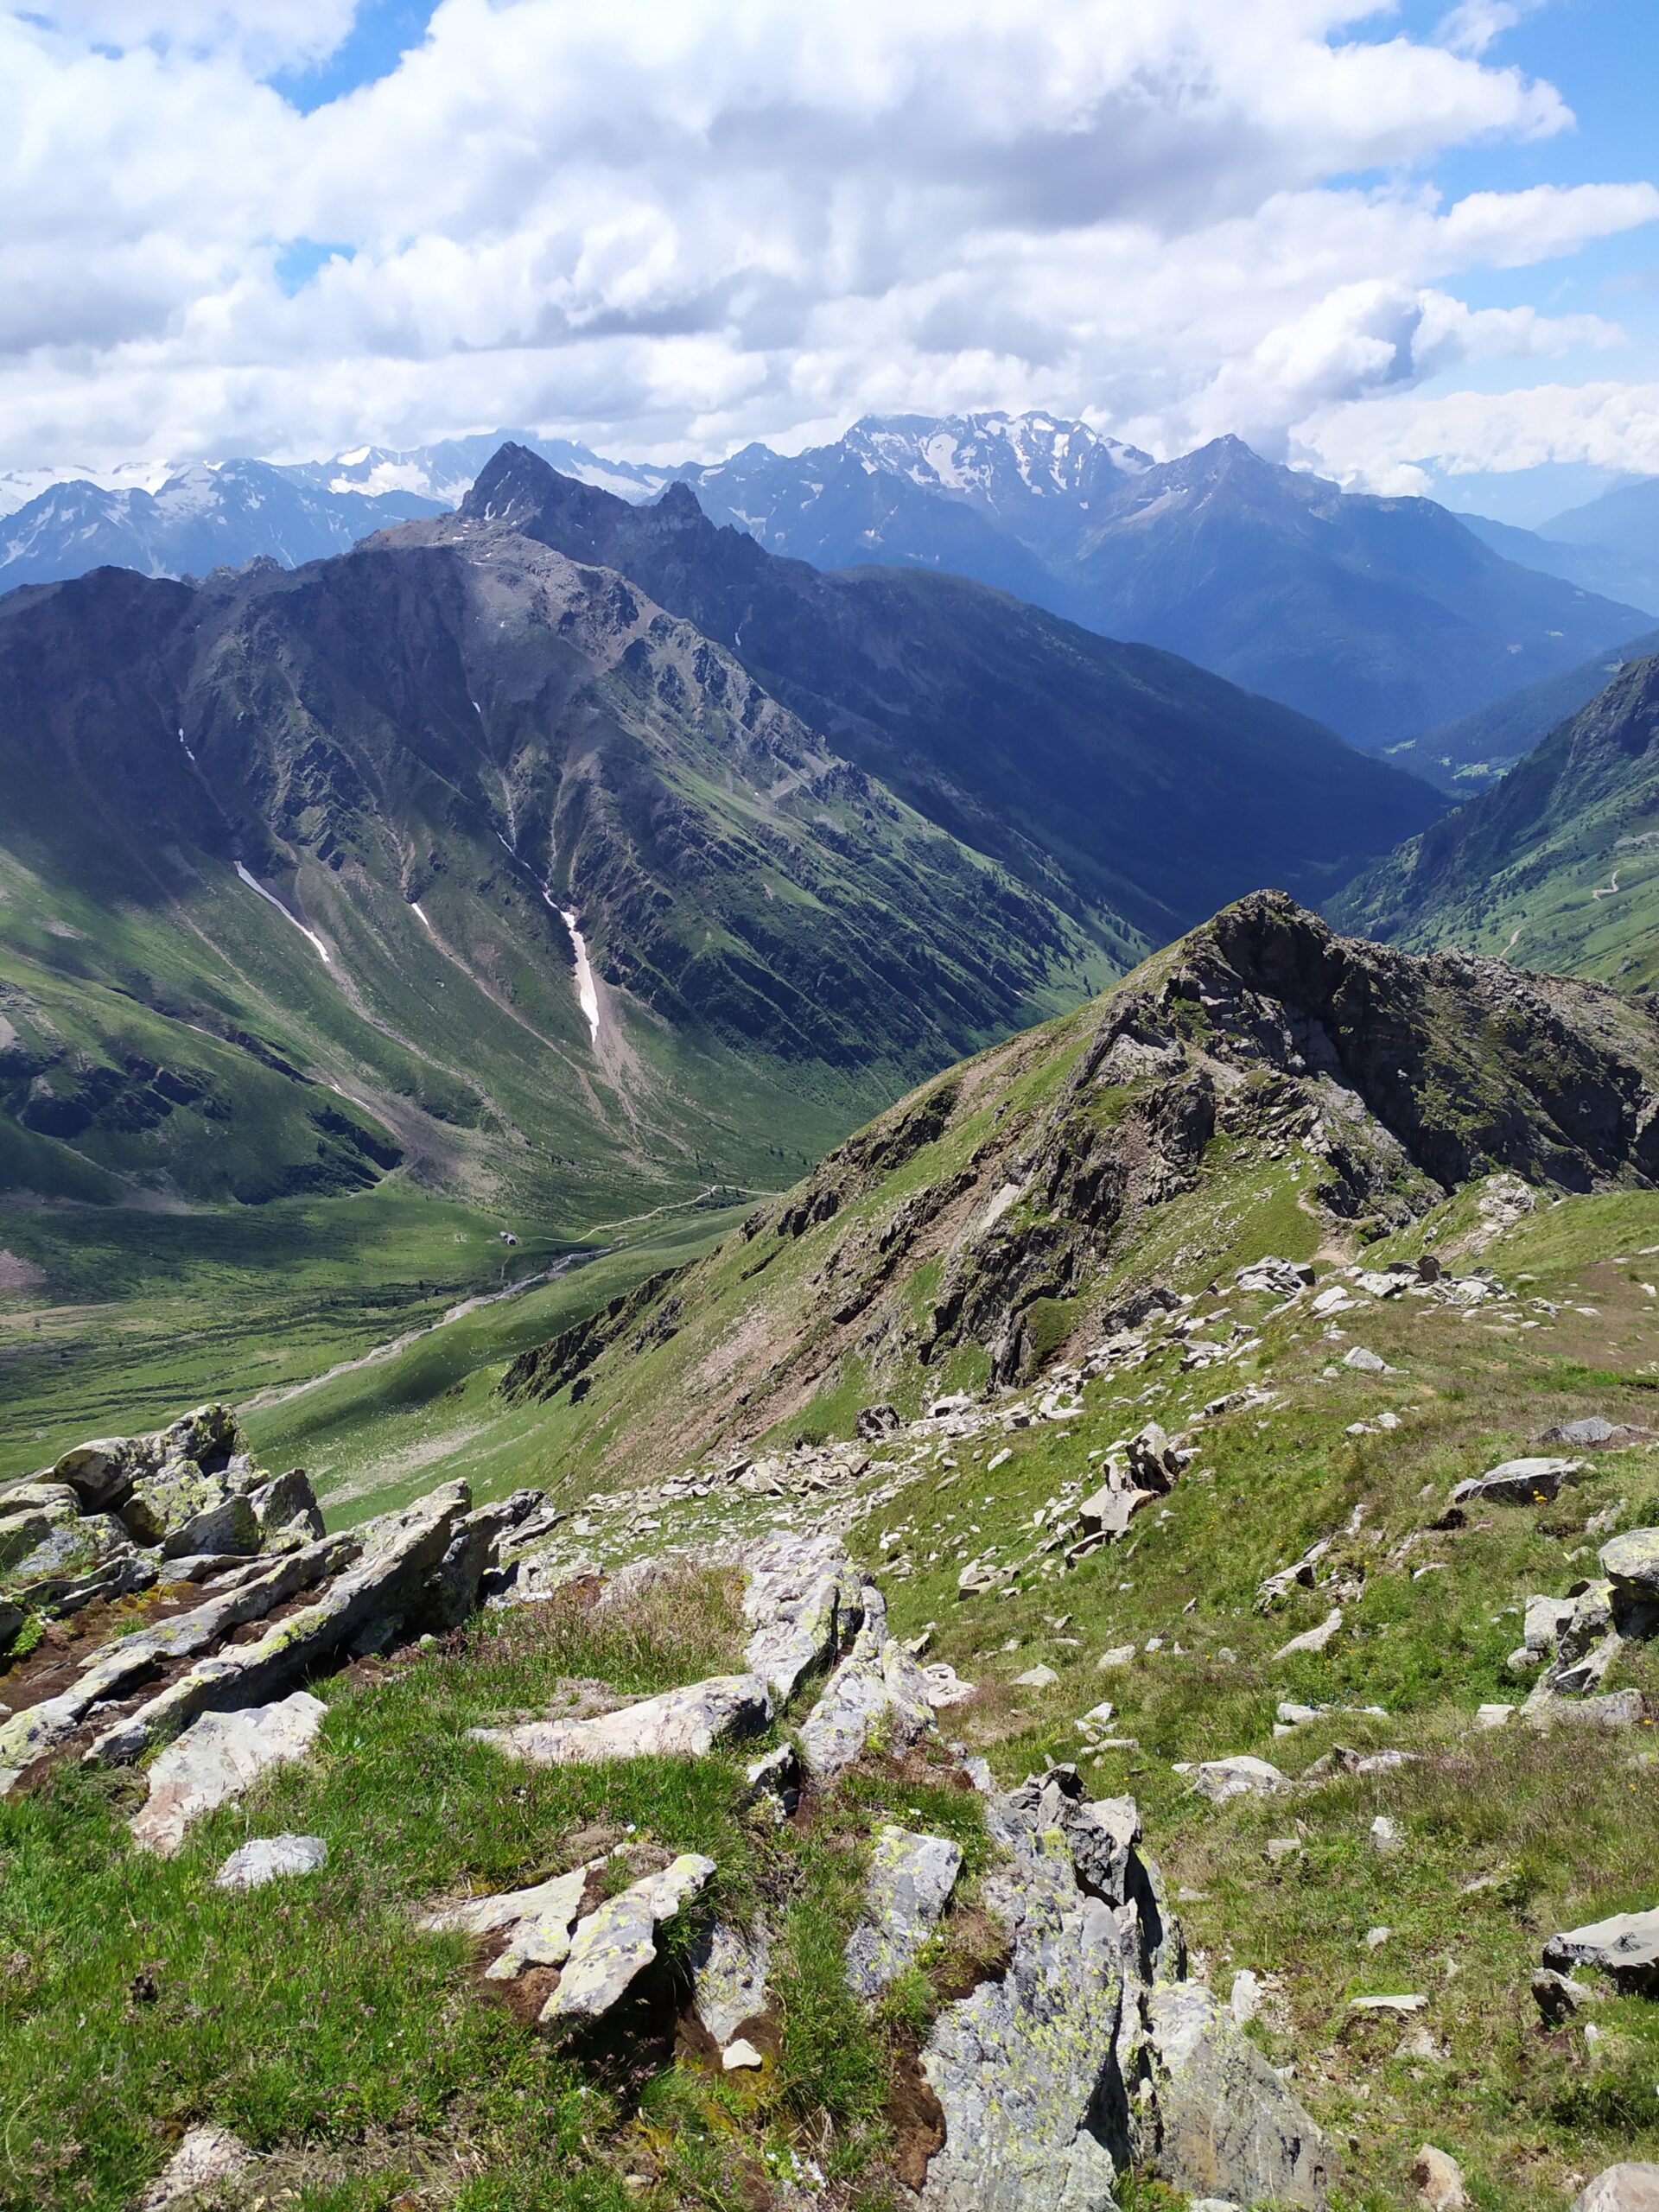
1557,867
1630,574
1625,519
1123,783
201,518
293,864
1381,617
1477,748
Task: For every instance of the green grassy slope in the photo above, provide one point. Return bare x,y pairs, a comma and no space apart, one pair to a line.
1557,868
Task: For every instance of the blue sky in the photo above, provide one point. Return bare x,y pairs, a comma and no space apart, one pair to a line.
1372,244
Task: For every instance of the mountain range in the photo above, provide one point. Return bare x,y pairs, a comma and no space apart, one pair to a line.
1386,618
570,849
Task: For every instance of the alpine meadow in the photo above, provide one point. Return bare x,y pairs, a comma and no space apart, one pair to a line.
828,1107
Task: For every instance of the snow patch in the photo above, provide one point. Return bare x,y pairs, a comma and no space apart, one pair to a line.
586,992
271,898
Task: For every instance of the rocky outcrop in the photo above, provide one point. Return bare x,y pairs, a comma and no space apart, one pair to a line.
878,1692
1087,2057
216,1758
804,1601
1578,1640
379,1592
119,1514
680,1724
121,1666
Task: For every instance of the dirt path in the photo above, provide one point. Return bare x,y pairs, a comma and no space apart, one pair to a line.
280,1395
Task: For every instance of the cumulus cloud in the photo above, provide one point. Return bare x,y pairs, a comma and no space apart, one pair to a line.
1385,444
675,224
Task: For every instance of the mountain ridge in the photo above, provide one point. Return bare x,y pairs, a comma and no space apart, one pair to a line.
1403,617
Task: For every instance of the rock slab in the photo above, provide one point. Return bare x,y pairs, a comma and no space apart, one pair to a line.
216,1758
909,1882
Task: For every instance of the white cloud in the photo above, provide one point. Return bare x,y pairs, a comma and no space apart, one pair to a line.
1382,445
269,33
671,226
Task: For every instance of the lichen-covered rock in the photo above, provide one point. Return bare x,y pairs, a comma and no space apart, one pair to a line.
681,1724
802,1598
728,1976
229,1527
55,1559
540,1926
167,1499
116,1667
909,1882
1026,2068
287,1505
473,1552
1226,2124
99,1473
617,1942
271,1858
216,1758
1630,1562
399,1550
877,1694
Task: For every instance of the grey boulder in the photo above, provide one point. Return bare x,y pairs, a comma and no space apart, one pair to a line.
1519,1482
802,1601
684,1723
1226,2125
1626,1946
268,1859
1631,2187
909,1882
879,1688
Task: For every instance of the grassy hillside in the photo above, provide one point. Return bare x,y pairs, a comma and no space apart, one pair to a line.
1555,869
1461,1155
